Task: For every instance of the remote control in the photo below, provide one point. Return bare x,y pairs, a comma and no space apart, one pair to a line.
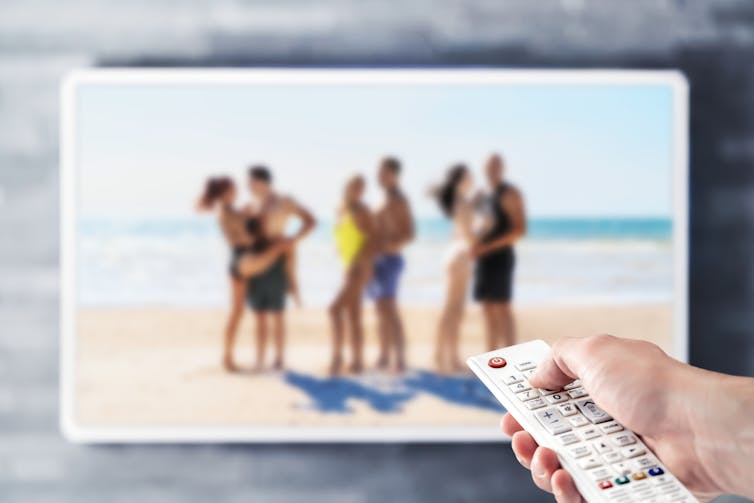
607,462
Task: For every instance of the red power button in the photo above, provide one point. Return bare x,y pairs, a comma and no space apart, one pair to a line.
497,363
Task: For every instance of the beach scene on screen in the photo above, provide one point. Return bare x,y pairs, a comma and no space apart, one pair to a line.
592,162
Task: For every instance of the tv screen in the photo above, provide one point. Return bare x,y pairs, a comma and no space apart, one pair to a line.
309,255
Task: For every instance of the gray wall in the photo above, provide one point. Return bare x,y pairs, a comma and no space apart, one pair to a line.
712,41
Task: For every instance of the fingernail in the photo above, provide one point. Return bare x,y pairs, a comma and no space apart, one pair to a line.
541,475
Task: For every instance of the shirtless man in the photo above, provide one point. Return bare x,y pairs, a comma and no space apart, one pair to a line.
266,292
394,230
495,259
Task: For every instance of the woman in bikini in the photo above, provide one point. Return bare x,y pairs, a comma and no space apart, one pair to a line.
251,255
454,201
354,235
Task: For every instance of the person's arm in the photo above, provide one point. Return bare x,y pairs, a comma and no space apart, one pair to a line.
699,423
308,222
513,203
254,264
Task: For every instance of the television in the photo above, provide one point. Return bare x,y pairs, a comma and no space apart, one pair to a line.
303,255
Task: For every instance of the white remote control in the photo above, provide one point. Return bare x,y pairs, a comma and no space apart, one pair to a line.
607,462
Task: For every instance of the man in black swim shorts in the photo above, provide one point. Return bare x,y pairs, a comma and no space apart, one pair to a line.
505,220
266,292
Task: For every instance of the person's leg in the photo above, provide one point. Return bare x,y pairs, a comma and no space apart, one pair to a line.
261,336
383,333
490,324
278,328
357,334
507,329
396,335
441,341
336,322
238,292
457,302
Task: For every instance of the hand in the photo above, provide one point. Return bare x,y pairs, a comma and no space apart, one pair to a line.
478,250
287,244
666,402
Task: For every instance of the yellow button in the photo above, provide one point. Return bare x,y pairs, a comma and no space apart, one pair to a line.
639,476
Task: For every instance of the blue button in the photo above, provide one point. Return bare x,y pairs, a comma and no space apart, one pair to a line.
656,471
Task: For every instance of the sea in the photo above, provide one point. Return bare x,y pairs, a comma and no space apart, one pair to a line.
562,261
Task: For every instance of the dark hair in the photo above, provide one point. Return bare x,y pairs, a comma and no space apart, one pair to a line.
214,188
392,164
446,193
261,173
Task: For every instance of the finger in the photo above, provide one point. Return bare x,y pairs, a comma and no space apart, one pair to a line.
524,447
509,425
568,359
543,465
564,489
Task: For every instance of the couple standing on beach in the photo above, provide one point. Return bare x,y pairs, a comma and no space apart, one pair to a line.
370,244
486,224
263,261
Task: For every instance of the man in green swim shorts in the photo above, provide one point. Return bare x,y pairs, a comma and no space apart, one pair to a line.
266,293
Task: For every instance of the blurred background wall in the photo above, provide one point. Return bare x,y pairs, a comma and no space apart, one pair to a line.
711,41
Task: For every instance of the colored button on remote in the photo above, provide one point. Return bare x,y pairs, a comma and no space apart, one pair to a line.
622,480
497,363
605,484
655,471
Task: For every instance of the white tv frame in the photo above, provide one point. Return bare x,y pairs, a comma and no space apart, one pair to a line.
218,77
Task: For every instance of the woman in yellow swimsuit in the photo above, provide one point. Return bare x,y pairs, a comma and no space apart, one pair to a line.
354,236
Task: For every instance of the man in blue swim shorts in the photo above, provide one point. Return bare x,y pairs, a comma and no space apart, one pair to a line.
394,230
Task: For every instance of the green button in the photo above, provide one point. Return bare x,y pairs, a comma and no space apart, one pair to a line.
622,480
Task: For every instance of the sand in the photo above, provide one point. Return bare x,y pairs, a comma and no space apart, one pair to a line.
161,366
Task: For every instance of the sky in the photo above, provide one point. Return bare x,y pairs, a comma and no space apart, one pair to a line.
574,150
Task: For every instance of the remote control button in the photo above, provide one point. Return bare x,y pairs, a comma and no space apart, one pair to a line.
528,395
612,457
553,421
593,413
575,384
655,471
611,427
622,468
633,451
497,363
644,462
590,433
622,480
548,391
567,409
569,438
529,373
578,421
639,476
601,474
624,439
601,446
604,484
556,398
527,365
519,387
580,451
537,403
577,393
590,462
513,378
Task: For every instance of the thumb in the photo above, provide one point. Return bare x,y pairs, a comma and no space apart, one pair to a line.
567,361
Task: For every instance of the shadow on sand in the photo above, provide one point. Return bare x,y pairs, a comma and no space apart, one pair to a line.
387,394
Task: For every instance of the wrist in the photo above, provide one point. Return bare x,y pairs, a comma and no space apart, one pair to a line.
723,432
